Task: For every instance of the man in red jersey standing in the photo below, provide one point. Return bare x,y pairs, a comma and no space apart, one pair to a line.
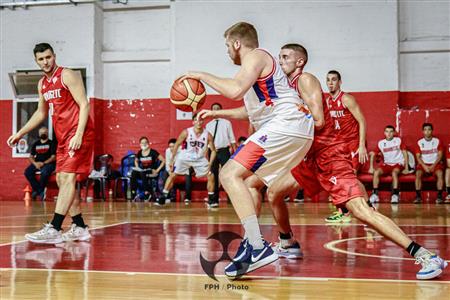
61,92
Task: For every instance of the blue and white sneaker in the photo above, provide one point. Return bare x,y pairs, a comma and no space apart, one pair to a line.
241,250
251,260
432,265
293,251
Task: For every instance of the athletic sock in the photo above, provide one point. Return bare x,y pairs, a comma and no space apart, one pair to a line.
395,191
375,191
285,236
57,221
253,232
413,248
418,193
211,197
439,194
344,210
78,220
300,194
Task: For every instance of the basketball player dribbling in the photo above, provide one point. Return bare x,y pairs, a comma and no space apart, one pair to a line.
283,135
328,165
61,92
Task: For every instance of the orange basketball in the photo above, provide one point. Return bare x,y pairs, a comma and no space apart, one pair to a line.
188,95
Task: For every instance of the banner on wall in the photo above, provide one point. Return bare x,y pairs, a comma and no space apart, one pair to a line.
184,115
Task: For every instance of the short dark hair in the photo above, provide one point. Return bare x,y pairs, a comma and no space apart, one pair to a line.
242,139
335,73
216,103
390,127
143,138
172,140
298,48
41,47
427,125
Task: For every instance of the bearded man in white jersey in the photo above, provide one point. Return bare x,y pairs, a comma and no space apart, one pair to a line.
193,156
283,135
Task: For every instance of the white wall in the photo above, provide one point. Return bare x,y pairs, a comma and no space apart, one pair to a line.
69,29
359,38
136,50
424,45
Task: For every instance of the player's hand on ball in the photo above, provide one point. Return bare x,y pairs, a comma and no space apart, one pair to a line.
75,142
191,74
13,139
205,113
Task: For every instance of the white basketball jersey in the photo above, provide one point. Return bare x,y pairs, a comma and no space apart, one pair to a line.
392,151
195,145
429,150
272,100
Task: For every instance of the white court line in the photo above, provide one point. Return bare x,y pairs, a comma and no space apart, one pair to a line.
99,227
224,276
331,246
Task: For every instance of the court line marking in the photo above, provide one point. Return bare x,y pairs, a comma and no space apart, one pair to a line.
99,227
332,246
231,281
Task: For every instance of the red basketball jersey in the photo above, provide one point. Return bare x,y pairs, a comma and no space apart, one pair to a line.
344,122
63,108
324,137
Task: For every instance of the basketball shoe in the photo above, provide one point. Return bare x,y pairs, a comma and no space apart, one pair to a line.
432,264
290,250
76,233
339,217
47,235
252,260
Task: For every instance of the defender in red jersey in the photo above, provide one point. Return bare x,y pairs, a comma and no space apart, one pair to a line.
348,119
328,166
61,92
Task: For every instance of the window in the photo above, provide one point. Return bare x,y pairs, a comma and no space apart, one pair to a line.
22,111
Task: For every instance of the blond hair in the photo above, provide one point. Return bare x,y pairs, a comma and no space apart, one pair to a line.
245,33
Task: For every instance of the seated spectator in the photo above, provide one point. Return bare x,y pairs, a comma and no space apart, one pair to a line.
193,156
146,168
429,162
395,160
43,159
447,175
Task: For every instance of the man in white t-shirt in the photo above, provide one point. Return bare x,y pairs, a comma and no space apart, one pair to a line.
223,137
395,160
429,162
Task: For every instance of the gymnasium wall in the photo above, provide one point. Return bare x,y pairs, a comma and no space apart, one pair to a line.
394,57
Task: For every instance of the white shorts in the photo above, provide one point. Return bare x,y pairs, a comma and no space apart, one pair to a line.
200,166
267,154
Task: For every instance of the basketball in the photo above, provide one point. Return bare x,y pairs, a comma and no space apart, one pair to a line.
188,94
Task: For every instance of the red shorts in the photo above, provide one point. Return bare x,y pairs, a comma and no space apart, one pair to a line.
336,177
387,169
439,166
78,161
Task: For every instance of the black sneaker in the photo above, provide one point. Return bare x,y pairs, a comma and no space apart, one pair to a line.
418,200
439,200
161,200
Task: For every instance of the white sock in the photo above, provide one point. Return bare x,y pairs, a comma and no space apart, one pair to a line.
253,232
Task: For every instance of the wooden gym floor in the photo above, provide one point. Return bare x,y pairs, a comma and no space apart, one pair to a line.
141,251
